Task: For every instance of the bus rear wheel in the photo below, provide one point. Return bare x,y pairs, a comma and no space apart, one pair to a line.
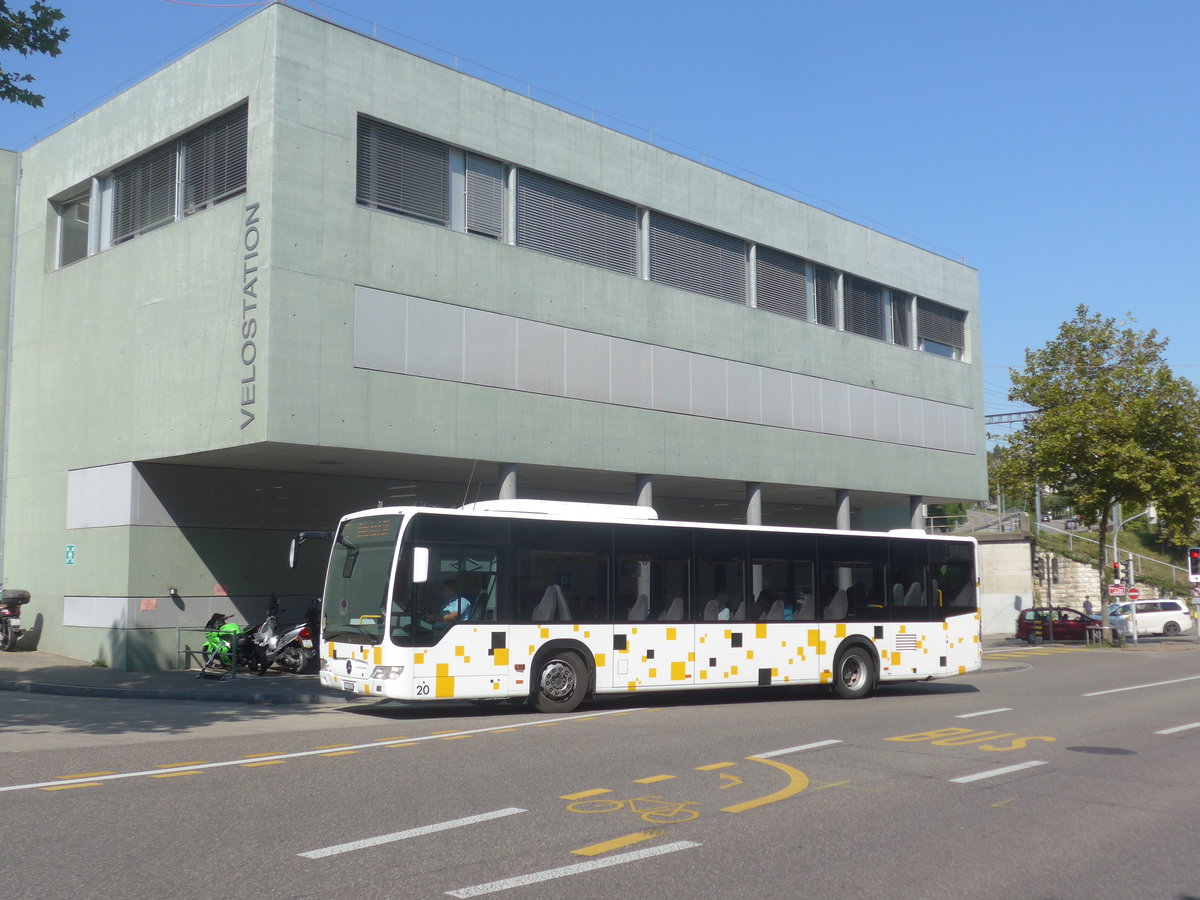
561,683
854,674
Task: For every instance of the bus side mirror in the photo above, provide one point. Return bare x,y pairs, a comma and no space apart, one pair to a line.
292,554
300,539
420,567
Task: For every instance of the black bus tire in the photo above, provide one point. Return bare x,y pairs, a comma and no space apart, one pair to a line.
853,674
561,683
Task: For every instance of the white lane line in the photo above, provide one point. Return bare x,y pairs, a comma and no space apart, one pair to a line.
992,773
1178,728
282,756
410,833
1138,687
985,712
787,750
493,887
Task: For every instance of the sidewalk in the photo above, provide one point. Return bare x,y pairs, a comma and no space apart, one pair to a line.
35,671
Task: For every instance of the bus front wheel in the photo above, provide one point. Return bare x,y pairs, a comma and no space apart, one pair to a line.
561,683
854,674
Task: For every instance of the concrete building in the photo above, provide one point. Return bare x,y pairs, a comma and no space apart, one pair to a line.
300,271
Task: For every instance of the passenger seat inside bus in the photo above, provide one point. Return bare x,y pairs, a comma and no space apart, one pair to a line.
552,606
837,607
640,610
674,612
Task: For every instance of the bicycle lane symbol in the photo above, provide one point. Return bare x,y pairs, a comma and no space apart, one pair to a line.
652,809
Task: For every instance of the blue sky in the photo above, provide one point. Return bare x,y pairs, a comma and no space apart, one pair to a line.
1051,145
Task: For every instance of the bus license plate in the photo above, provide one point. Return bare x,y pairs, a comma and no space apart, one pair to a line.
349,687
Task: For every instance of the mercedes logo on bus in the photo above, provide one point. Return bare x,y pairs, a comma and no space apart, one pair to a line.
349,666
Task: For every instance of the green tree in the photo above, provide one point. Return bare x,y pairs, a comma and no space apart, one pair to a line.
27,32
1112,426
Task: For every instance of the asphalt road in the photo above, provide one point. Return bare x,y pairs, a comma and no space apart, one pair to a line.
1056,773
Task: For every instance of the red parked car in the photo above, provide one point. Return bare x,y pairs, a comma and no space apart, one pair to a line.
1033,625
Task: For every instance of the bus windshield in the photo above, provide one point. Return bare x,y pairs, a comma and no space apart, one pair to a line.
359,574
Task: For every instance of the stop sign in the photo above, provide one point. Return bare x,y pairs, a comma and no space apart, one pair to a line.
1133,593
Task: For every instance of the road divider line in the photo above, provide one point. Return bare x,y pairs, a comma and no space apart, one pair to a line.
786,750
67,787
1179,728
410,833
269,758
984,712
494,887
617,843
653,779
1138,687
994,773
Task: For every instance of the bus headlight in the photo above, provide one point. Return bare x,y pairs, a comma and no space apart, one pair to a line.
382,672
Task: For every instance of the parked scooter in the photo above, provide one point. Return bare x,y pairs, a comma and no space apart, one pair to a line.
293,647
11,602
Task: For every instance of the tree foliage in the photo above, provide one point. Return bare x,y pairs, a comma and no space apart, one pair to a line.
28,31
1112,425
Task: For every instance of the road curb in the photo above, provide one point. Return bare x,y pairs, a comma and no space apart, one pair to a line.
87,690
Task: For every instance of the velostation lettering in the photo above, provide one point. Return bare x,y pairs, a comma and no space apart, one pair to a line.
249,353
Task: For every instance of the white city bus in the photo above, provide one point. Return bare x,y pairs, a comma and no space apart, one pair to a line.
554,602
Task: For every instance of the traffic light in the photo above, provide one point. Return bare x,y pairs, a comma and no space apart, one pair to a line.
1117,577
1125,573
1037,568
1194,564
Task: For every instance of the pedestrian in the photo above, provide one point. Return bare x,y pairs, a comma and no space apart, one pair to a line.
1087,606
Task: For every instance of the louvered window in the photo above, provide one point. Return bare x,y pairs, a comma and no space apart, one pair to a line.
485,196
781,283
940,329
144,193
697,259
825,295
901,316
864,307
403,172
214,162
574,223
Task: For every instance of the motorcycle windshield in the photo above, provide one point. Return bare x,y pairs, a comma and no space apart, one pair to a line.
356,589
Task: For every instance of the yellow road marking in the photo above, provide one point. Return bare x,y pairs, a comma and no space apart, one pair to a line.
83,775
617,843
505,730
194,762
259,755
331,747
457,737
401,738
67,787
733,780
341,752
1001,804
711,767
825,785
544,724
582,794
652,779
797,782
177,774
404,745
450,731
269,762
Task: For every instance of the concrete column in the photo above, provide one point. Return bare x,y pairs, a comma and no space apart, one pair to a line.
916,512
508,482
753,503
842,505
645,490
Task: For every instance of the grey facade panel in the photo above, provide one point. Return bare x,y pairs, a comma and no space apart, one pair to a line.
806,403
491,349
435,341
861,407
710,387
632,368
539,358
744,387
672,380
776,398
835,408
887,417
587,366
380,331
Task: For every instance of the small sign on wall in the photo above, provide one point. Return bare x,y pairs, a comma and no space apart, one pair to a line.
70,556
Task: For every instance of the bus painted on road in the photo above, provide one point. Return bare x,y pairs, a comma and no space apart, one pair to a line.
553,602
